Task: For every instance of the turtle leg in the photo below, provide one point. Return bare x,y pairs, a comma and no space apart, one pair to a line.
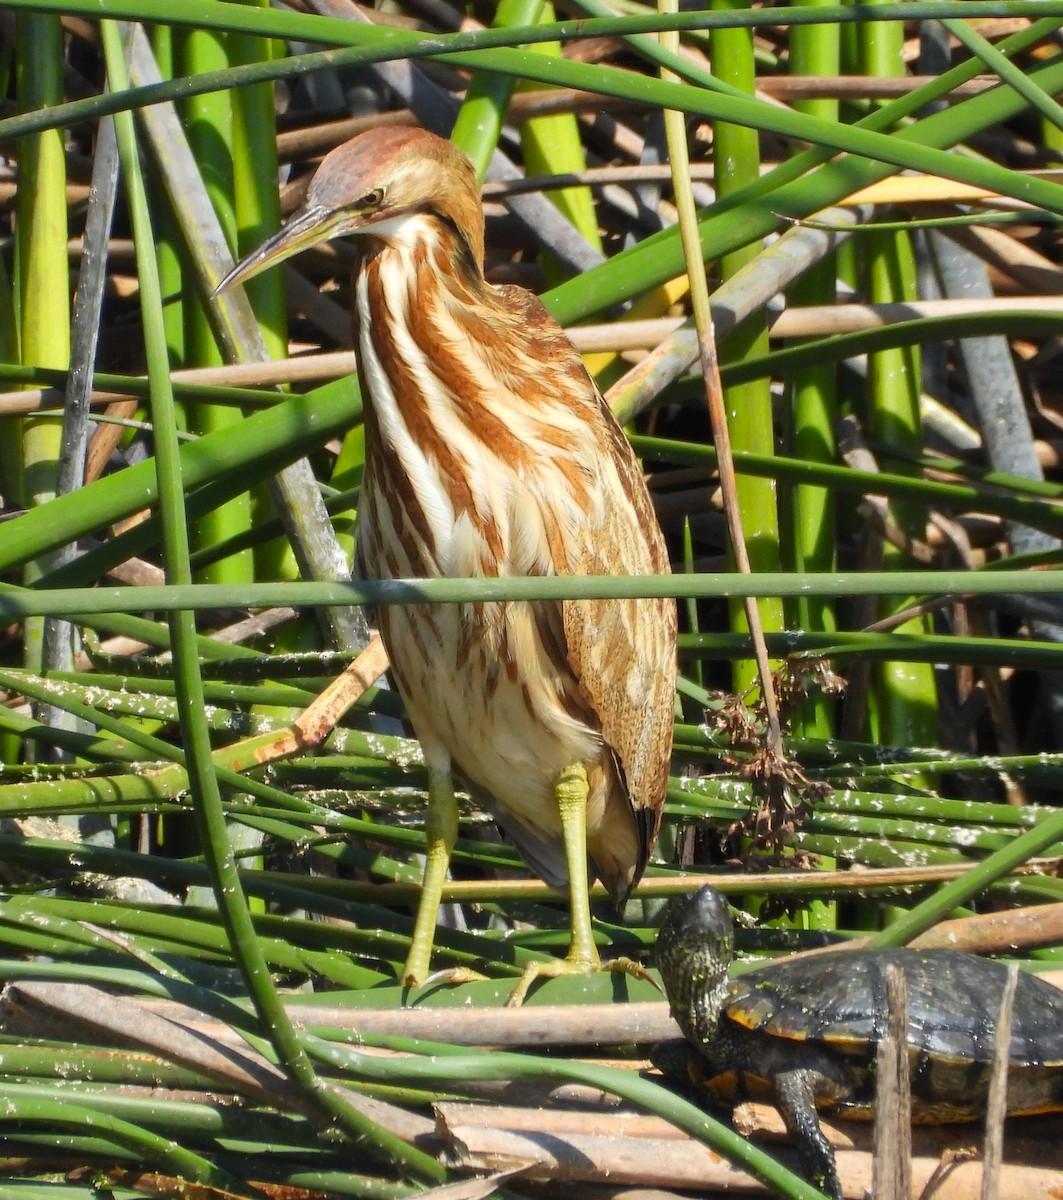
796,1101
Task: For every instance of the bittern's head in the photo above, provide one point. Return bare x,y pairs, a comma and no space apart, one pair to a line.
373,185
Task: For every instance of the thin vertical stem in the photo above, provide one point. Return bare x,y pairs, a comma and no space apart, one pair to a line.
997,1100
675,132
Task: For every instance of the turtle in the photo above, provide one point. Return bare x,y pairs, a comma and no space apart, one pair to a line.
804,1032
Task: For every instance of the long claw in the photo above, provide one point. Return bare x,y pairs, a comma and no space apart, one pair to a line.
570,791
555,968
454,975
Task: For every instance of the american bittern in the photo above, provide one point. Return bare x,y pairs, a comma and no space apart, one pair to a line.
490,452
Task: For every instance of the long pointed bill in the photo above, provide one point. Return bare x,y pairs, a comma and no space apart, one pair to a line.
307,227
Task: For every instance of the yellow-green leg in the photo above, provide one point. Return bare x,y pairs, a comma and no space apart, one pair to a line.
441,830
570,792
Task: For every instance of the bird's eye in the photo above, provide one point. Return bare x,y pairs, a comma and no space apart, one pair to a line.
372,199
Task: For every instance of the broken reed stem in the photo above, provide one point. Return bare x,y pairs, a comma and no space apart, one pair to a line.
997,1103
892,1164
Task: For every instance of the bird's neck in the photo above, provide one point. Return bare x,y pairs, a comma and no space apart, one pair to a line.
421,306
428,252
419,302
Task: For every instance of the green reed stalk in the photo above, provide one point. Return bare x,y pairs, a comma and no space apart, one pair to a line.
42,268
552,145
992,869
814,50
120,1135
257,212
254,171
813,394
903,704
209,123
736,154
256,203
483,109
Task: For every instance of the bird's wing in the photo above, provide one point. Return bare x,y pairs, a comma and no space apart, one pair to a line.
623,651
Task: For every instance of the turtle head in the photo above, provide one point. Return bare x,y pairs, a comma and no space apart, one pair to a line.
694,951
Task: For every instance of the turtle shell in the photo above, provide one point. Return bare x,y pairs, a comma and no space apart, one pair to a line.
836,1004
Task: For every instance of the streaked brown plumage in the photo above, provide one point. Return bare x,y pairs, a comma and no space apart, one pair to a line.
490,452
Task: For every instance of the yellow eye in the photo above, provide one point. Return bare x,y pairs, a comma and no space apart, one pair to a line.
372,199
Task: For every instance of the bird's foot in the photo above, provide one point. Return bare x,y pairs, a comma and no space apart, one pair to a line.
554,968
